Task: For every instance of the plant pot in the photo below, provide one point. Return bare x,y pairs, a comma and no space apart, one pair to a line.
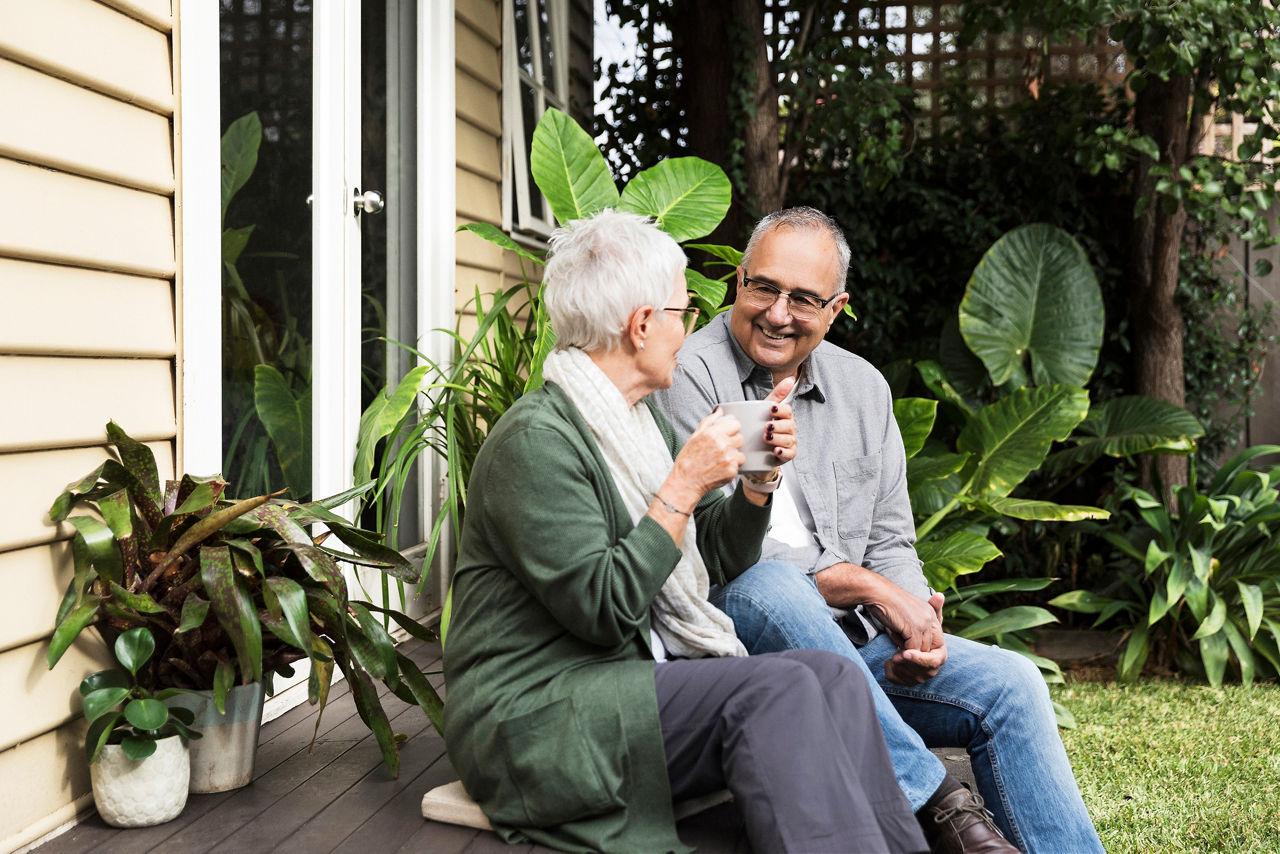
131,793
223,758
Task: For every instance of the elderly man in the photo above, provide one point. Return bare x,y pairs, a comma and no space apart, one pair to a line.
839,570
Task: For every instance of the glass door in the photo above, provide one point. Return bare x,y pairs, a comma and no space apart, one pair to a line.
323,232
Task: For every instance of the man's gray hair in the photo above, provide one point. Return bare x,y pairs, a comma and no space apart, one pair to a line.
600,270
803,218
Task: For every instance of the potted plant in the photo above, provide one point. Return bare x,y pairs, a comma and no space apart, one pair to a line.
136,745
232,591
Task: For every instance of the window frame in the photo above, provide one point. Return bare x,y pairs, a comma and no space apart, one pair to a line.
548,90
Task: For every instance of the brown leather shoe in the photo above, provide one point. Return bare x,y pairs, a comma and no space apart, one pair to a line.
960,824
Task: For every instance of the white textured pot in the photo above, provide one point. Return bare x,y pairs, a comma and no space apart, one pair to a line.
139,794
223,758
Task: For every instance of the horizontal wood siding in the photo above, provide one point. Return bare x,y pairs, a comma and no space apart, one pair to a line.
56,310
70,128
92,45
67,402
72,220
87,334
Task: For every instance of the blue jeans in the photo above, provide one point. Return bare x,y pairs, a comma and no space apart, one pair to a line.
990,701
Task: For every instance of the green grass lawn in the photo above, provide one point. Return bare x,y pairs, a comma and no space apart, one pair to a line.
1166,765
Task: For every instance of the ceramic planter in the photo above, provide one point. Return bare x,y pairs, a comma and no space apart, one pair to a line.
132,793
223,758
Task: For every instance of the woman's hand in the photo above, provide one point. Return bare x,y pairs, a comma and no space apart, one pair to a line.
709,460
780,434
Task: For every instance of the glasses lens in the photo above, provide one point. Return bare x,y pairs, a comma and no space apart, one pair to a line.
804,306
759,294
690,320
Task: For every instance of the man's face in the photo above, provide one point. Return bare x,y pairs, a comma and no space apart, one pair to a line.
794,261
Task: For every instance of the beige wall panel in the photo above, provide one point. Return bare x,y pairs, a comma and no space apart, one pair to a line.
474,251
479,53
477,102
85,223
55,123
24,513
478,150
479,199
482,15
54,401
36,577
45,781
52,309
90,44
155,12
469,278
50,698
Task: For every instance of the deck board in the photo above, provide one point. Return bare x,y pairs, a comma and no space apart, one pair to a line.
337,797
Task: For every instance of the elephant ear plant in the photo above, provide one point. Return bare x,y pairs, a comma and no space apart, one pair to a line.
232,591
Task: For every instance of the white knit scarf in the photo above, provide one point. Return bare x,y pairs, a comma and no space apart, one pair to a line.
639,459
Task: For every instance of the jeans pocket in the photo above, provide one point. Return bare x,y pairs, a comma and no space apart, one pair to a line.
561,775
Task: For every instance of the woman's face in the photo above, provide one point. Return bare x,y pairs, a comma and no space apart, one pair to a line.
657,361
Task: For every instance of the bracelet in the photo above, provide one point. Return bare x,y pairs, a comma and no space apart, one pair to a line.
762,487
669,507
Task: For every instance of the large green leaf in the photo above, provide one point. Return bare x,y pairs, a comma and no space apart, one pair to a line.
103,700
286,599
234,609
146,713
958,554
915,417
1034,294
708,294
1043,511
1130,425
70,627
1012,619
240,145
382,415
569,169
1011,437
287,417
686,195
543,344
500,238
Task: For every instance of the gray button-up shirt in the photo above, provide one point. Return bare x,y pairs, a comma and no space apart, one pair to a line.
851,466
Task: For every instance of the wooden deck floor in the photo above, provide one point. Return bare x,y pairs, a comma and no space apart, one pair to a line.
339,798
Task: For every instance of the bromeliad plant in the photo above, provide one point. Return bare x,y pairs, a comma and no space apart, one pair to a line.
231,591
121,711
1197,580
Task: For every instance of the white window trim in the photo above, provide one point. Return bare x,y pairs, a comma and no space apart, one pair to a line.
515,157
197,203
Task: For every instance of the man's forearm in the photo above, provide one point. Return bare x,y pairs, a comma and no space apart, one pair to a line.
847,585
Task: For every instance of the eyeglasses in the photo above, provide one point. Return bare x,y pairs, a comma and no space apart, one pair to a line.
689,317
763,295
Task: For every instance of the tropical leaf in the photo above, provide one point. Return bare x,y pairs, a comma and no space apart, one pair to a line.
381,416
1014,619
1127,426
1034,295
287,416
1044,511
961,553
569,169
915,417
500,238
146,713
234,610
70,627
686,195
727,254
935,379
1011,437
708,294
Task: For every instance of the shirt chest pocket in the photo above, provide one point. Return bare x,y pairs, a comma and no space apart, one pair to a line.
857,483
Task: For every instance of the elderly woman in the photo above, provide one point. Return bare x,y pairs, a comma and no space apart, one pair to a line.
590,681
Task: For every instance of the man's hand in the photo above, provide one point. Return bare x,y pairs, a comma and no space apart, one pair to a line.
913,667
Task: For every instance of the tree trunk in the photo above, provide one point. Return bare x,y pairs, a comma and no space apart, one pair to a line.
711,42
1161,112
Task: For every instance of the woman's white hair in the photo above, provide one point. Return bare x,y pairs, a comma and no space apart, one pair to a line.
600,270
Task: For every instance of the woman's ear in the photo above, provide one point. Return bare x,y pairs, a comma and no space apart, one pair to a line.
638,325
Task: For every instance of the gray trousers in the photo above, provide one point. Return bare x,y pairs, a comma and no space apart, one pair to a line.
794,736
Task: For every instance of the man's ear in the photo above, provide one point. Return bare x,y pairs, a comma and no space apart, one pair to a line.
836,306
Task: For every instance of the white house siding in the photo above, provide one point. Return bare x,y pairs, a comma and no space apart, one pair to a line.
86,335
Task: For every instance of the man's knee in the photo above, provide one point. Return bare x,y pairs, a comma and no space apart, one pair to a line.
772,586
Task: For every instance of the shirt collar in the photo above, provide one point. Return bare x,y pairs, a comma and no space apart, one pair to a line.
751,374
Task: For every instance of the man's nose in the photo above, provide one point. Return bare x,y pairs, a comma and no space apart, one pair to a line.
780,312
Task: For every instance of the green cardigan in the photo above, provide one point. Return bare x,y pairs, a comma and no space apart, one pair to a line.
551,719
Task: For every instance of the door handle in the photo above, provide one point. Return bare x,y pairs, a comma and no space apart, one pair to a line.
370,201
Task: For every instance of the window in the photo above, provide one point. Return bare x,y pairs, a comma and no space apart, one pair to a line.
535,76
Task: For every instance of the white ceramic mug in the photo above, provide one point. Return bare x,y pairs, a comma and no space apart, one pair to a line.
754,416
